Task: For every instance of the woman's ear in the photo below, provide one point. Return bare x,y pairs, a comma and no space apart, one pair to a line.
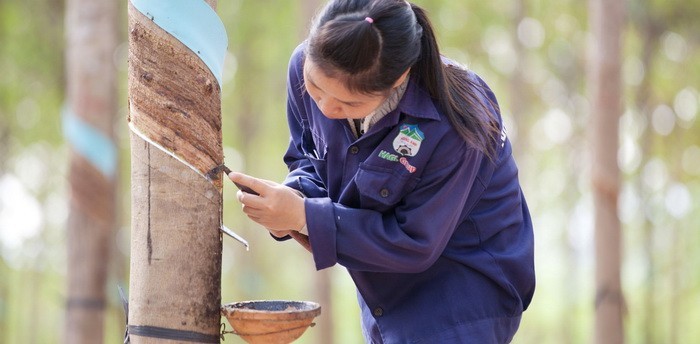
402,78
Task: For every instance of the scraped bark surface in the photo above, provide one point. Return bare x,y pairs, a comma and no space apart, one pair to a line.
175,101
173,97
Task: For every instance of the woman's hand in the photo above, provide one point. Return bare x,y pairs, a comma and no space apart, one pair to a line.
278,208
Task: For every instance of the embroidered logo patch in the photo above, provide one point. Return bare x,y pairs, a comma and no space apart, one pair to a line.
410,168
388,156
407,143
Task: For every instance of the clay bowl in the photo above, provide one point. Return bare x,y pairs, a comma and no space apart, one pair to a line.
270,321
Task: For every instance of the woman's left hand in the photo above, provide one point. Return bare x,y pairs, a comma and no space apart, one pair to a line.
278,207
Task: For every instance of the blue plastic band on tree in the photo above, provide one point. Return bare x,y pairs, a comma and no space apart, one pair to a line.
195,24
89,142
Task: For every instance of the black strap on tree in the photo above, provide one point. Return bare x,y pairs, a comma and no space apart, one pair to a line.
166,333
160,332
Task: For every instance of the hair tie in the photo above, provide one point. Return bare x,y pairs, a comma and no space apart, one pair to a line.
369,20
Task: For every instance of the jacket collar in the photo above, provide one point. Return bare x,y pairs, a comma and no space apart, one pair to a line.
416,102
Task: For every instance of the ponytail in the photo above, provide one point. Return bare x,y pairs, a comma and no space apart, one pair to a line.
454,90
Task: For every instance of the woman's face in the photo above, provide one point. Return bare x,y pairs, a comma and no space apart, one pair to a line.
333,99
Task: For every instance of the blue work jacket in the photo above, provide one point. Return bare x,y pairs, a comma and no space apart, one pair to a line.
436,236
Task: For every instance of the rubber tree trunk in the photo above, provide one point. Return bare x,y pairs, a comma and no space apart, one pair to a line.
606,24
91,37
174,110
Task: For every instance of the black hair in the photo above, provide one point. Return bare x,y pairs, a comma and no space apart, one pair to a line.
369,44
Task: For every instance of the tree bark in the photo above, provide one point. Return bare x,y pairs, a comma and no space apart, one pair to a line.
174,102
91,94
606,24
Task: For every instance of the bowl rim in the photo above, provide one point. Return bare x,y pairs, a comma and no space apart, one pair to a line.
230,308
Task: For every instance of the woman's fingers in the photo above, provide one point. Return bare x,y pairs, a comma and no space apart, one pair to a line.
277,207
244,181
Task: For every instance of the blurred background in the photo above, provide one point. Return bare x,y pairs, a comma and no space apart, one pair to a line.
533,55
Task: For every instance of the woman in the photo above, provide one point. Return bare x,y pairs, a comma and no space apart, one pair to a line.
400,170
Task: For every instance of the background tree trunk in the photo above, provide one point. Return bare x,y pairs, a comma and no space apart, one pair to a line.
323,286
174,101
91,31
606,24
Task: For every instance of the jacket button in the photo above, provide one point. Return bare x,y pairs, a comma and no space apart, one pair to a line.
384,193
354,150
378,312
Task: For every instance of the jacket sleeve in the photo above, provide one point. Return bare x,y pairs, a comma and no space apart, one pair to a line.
302,174
410,237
